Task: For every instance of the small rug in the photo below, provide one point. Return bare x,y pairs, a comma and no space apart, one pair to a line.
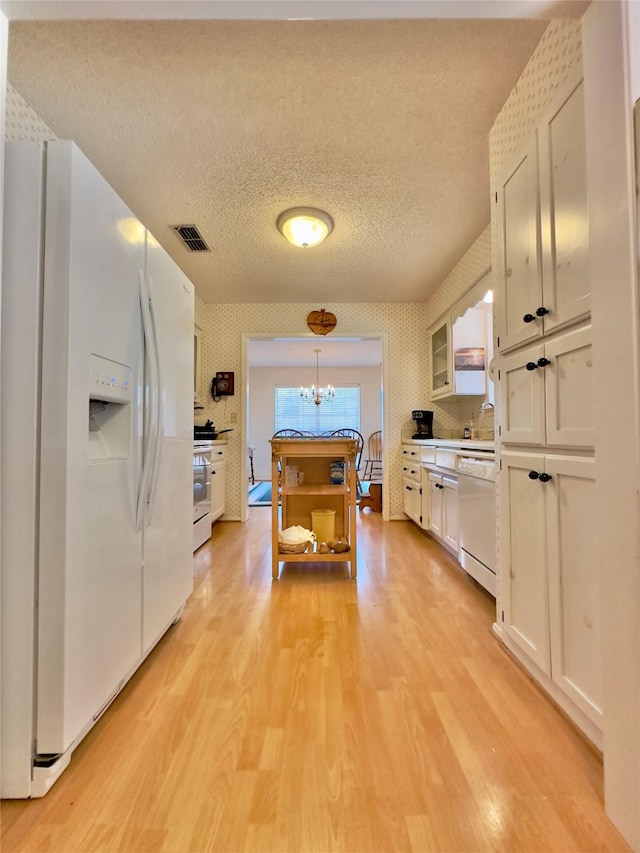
260,494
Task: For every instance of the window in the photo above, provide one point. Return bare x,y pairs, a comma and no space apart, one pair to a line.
292,412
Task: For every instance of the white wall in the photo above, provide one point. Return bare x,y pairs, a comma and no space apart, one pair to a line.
262,382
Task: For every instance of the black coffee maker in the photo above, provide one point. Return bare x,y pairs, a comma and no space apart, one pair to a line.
424,423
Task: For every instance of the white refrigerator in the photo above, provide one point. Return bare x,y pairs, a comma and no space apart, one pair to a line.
96,432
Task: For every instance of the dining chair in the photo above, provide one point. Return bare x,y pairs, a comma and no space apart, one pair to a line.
373,462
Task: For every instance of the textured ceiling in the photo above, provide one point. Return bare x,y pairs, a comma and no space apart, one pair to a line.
224,124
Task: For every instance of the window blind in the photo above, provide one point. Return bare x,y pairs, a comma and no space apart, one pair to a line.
292,412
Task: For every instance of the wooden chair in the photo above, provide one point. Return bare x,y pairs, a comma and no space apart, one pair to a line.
288,433
347,432
373,462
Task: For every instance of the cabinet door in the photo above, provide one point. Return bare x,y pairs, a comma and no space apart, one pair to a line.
574,582
564,212
412,500
518,274
450,513
524,555
218,489
569,389
436,505
470,351
426,500
522,389
441,361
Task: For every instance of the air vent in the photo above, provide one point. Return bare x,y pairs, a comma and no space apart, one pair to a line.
192,238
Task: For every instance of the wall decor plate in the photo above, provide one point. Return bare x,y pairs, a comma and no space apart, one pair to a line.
321,322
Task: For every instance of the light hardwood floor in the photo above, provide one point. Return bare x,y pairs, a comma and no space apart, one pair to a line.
317,713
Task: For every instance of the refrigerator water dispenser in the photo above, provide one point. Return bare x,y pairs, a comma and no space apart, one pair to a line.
109,436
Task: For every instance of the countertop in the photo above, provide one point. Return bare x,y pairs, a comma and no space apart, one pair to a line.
458,443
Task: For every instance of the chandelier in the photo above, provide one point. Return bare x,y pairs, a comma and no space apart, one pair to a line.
316,394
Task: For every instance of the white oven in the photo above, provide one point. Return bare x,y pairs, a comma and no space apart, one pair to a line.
202,518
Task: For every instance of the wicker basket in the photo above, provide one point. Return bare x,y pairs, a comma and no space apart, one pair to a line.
300,548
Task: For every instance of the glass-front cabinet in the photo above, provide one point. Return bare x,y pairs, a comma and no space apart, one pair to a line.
462,346
441,361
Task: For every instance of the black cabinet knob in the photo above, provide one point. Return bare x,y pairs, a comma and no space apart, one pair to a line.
531,365
533,475
528,318
541,311
543,362
544,478
408,488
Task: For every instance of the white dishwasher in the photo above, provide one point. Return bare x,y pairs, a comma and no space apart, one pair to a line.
477,515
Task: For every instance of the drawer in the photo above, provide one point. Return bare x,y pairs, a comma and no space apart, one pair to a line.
428,454
446,458
410,452
411,470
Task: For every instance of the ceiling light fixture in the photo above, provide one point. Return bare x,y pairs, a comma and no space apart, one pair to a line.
316,394
305,226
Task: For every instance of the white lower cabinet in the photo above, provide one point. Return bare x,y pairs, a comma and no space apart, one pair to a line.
443,510
412,500
218,488
550,576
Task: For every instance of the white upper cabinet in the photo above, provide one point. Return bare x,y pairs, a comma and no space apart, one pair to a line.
440,339
547,392
461,345
519,275
543,220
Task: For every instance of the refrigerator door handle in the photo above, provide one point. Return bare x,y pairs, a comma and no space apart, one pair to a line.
150,407
159,414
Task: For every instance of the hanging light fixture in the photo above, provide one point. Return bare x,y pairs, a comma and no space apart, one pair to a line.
305,226
316,394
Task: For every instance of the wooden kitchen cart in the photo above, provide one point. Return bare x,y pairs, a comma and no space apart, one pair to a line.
313,458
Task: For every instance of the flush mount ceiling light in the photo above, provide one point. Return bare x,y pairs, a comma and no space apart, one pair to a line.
305,226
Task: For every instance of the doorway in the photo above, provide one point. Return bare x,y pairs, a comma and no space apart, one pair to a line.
289,361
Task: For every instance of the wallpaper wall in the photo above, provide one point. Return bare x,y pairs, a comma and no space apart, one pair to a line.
407,386
22,122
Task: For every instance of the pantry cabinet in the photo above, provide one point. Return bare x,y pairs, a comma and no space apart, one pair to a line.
547,392
551,592
544,227
548,581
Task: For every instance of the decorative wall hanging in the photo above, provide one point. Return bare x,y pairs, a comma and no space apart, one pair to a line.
321,322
